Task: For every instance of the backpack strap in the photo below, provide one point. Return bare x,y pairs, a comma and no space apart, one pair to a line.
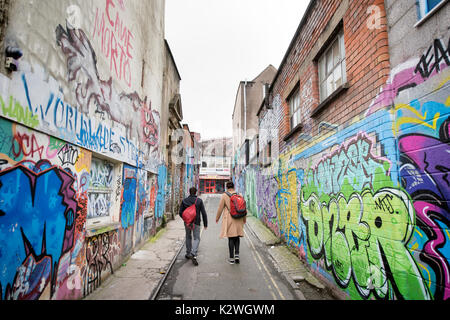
229,195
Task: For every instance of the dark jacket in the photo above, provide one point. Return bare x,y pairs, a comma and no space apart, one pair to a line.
189,201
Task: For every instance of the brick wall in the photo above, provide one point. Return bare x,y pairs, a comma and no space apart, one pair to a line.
358,188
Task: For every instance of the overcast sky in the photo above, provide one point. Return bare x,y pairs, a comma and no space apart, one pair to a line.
218,43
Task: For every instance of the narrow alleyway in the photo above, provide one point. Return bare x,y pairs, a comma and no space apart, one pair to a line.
254,278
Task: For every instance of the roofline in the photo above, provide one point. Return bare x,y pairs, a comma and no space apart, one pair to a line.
237,92
171,56
270,65
297,32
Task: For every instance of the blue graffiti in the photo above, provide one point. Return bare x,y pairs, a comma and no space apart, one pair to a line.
37,214
128,207
379,122
160,196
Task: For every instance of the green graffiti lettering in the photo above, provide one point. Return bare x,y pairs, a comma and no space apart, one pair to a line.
16,111
365,237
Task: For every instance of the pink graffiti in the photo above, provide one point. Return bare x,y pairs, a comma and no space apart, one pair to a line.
425,211
406,76
116,40
149,125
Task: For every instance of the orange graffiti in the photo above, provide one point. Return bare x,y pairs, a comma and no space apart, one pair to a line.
84,160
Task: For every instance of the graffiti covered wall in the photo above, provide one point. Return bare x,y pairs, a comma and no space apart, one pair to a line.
82,181
365,203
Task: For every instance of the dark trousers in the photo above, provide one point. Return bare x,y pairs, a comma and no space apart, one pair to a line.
233,245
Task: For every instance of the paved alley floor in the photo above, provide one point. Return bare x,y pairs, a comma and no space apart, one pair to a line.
141,275
255,278
160,271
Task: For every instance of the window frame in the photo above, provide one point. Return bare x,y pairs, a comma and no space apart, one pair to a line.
266,158
294,111
322,62
95,222
423,13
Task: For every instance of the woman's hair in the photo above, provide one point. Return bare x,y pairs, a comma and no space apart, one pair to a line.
230,185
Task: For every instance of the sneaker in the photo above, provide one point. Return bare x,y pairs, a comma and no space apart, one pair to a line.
236,259
231,261
188,256
194,261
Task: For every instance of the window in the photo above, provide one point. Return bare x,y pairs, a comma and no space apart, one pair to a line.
266,158
426,6
202,186
332,67
210,162
265,90
226,163
100,192
294,107
219,163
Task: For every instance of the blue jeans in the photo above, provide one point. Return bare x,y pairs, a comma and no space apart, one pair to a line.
192,246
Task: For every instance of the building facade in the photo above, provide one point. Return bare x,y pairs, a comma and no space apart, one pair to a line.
191,161
249,96
353,148
215,165
85,96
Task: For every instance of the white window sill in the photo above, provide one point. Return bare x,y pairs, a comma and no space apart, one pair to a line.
429,14
148,215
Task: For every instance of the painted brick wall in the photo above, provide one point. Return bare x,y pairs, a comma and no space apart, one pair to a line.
360,192
79,98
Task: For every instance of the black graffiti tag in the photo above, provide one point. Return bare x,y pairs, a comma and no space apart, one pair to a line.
432,59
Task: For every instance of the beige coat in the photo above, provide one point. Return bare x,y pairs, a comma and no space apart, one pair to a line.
230,227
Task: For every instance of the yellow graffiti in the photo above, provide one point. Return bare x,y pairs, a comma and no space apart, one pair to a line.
443,82
418,233
419,120
83,161
286,204
8,159
429,277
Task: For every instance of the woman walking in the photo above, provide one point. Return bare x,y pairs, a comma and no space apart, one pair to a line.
232,228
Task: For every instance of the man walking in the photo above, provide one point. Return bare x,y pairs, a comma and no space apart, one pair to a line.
194,229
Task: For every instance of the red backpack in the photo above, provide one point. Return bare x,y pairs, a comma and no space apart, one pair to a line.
238,206
189,215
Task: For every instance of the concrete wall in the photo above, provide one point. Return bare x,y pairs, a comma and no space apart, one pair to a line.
254,98
360,192
81,114
401,18
171,92
238,118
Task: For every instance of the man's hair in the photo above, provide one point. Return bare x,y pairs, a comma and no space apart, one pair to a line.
193,191
230,185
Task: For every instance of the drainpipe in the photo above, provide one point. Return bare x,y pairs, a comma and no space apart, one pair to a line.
245,110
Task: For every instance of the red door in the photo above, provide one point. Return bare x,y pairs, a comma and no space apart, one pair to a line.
210,186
